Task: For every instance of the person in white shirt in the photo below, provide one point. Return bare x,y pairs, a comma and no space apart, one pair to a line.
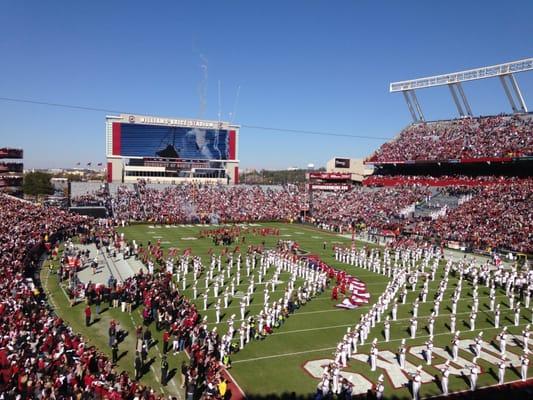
373,355
401,354
474,372
217,310
501,371
517,314
413,327
503,339
417,381
380,388
429,350
524,363
445,377
497,316
387,329
205,301
525,337
453,320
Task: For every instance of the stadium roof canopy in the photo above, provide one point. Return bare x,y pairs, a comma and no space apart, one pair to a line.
504,71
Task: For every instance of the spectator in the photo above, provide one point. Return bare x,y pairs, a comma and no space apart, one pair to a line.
471,138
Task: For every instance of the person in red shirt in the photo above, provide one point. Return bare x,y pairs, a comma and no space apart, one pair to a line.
335,293
166,338
88,315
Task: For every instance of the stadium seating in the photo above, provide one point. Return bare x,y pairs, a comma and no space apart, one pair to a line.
496,216
40,356
467,139
206,203
437,181
382,208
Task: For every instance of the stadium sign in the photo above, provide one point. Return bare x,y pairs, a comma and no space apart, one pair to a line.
329,186
188,123
329,175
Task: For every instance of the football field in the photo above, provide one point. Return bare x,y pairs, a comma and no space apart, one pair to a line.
289,360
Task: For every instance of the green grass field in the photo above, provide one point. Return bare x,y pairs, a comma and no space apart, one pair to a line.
275,365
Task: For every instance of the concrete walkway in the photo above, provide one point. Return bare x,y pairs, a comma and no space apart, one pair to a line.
117,267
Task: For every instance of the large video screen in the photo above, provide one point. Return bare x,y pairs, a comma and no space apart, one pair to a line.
173,142
342,163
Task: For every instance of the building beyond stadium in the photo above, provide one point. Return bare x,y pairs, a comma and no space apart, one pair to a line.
11,170
170,150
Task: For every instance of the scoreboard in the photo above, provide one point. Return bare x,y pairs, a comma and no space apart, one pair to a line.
170,149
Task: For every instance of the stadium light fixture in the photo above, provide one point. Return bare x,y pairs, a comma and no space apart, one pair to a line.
453,80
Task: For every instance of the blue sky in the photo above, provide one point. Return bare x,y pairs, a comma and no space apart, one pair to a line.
309,65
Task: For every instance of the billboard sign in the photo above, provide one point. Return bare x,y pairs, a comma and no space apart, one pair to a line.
329,186
329,175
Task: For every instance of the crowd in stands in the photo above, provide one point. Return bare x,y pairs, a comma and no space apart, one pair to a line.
437,181
496,216
98,198
40,356
493,201
189,203
192,203
467,138
127,205
379,209
385,208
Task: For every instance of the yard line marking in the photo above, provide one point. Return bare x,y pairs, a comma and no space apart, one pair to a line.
359,345
292,315
284,355
311,329
487,312
63,290
155,375
378,323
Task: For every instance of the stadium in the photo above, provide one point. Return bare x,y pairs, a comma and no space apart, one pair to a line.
403,274
190,285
